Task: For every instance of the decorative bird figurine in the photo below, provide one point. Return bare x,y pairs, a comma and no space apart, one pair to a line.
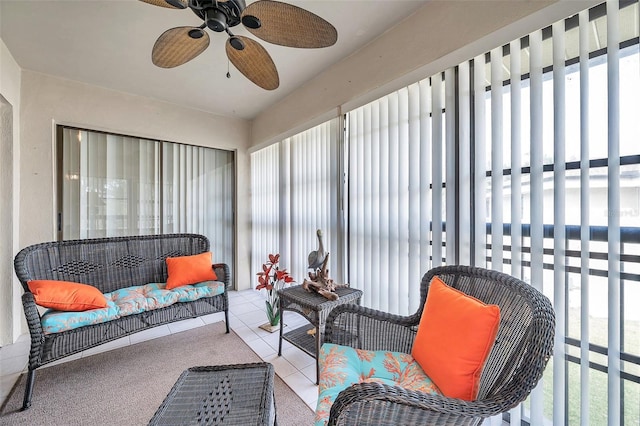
316,257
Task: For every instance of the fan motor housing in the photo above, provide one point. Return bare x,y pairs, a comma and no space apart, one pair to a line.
218,15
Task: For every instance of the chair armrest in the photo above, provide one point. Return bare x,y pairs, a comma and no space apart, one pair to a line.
222,272
369,329
376,403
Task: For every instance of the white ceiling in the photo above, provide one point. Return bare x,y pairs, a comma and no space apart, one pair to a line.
108,43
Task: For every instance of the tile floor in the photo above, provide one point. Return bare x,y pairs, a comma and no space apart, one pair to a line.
246,314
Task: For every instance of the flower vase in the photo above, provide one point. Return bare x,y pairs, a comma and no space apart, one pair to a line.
270,328
273,315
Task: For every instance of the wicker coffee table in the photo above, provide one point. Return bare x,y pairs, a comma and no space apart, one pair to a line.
315,309
241,394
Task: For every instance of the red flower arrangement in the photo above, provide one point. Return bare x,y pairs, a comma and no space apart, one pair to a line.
272,278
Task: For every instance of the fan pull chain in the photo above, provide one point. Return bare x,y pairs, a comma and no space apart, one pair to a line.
228,73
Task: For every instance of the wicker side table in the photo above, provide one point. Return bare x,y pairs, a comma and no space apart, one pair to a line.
315,309
241,394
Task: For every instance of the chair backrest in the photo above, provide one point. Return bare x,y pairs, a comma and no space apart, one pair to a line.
106,263
524,342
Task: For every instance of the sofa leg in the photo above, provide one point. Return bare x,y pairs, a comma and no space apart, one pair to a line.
226,319
26,403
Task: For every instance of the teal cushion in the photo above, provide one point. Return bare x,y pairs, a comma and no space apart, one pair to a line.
57,321
129,301
136,299
342,366
188,293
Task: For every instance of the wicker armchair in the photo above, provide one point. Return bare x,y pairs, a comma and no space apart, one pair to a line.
515,364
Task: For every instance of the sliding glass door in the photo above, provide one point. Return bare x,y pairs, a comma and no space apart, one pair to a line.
114,185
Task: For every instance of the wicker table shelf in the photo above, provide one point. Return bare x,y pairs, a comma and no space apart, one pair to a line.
241,394
315,309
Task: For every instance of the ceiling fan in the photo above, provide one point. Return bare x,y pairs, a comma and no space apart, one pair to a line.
272,21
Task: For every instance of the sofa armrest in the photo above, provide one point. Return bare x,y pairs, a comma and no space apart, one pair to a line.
223,274
369,329
35,328
364,403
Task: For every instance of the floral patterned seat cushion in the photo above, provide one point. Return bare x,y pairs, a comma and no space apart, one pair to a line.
136,299
129,301
343,366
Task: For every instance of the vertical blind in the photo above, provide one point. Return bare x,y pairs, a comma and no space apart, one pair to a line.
396,194
524,159
527,156
110,185
198,195
265,207
296,190
114,185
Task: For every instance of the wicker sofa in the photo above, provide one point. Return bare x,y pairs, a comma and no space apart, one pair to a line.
109,264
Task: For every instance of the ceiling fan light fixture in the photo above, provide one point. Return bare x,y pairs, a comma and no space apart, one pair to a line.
216,20
236,43
251,21
196,33
178,4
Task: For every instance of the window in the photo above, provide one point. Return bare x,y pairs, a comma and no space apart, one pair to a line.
561,201
524,159
113,185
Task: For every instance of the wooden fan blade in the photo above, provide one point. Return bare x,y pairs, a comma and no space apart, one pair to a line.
171,4
175,46
288,25
254,63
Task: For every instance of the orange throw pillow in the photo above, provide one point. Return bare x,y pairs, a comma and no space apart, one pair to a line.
66,295
454,338
189,270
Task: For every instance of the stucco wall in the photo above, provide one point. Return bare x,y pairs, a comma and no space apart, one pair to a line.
47,101
10,307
